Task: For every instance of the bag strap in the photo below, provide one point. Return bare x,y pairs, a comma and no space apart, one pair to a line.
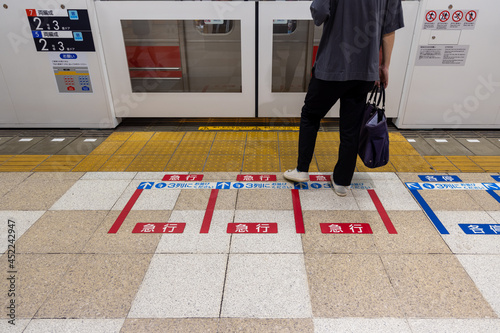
373,93
382,96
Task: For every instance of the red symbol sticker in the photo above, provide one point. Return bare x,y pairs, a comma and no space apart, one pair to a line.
186,178
320,178
471,16
457,16
444,16
256,178
431,16
252,228
71,88
345,228
159,228
31,12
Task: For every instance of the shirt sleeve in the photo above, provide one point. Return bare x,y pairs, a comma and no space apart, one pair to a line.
320,11
393,19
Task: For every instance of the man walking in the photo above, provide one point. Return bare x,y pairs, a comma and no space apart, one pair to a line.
346,68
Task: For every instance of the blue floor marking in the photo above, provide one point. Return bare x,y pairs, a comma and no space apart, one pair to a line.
439,226
494,195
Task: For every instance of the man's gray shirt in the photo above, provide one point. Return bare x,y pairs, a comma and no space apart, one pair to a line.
352,34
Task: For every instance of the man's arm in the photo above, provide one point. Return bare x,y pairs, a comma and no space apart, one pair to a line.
387,45
320,11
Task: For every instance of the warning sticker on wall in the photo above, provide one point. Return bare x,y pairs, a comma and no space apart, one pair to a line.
450,20
442,55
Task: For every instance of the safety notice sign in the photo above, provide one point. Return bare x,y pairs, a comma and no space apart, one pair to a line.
450,20
442,55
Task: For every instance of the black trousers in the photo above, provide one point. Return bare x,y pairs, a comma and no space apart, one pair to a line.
321,96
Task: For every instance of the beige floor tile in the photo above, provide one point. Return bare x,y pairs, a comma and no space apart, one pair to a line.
60,232
314,241
415,234
264,200
485,200
435,285
350,285
10,180
38,276
451,200
233,325
56,176
198,200
35,194
124,241
97,286
476,177
205,325
411,177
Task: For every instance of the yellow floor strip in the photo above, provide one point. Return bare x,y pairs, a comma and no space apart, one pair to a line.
117,163
395,137
141,136
131,148
60,163
248,128
465,164
149,163
326,163
410,163
167,136
159,147
227,163
92,163
262,136
401,148
227,147
198,136
119,136
261,148
261,163
441,164
4,158
488,163
288,136
107,148
193,163
230,136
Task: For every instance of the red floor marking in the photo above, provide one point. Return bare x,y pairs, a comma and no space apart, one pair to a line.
125,211
297,212
383,214
207,220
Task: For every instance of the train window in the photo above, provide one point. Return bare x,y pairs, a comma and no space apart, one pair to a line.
210,27
175,56
293,54
284,26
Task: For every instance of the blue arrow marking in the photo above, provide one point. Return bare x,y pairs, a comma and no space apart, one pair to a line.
434,219
497,178
301,186
491,186
413,186
145,185
494,195
223,185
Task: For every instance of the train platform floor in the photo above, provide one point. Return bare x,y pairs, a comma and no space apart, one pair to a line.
188,226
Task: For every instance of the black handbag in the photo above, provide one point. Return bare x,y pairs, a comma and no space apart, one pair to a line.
374,135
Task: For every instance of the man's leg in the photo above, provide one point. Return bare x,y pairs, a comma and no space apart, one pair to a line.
352,106
320,98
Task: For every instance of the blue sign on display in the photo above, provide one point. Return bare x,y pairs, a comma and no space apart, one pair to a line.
73,14
37,34
434,178
68,56
301,186
78,36
481,229
223,185
497,178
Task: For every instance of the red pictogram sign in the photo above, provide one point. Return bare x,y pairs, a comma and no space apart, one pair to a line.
256,178
159,228
71,88
444,16
431,16
31,12
345,228
471,15
188,178
252,228
320,178
457,16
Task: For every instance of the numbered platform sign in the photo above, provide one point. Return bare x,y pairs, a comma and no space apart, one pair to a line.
61,30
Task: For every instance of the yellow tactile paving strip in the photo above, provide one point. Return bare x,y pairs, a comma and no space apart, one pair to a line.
233,151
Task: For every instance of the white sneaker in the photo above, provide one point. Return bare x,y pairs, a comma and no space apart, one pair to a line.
340,190
296,176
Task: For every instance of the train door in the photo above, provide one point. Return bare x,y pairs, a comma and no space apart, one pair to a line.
288,41
180,58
